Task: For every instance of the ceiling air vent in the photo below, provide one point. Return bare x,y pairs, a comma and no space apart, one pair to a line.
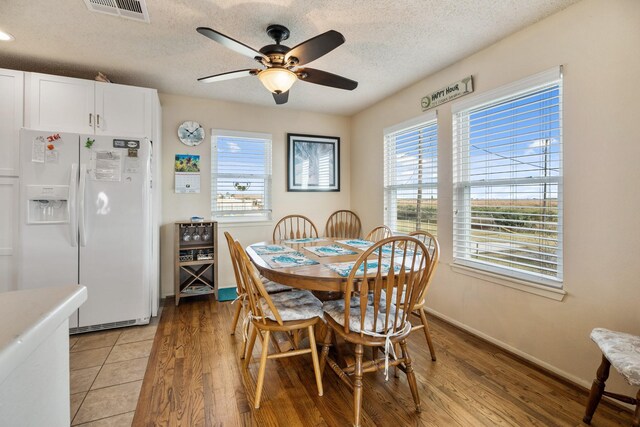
131,9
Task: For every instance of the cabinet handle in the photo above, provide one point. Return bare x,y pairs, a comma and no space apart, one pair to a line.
90,119
98,120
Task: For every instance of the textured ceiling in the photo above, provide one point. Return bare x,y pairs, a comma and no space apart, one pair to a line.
389,44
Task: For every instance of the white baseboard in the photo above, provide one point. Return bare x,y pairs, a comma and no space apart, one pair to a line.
563,374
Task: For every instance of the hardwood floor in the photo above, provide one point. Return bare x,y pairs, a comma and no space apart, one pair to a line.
195,378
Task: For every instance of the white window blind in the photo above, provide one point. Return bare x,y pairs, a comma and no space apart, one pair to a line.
508,180
240,175
411,175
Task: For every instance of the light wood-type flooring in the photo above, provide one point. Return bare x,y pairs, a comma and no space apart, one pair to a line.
195,378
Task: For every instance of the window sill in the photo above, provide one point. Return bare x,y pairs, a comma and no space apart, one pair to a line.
243,222
521,285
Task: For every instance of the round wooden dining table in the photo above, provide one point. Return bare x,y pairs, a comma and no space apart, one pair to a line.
317,277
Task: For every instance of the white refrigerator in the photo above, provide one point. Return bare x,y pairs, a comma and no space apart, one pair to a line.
85,218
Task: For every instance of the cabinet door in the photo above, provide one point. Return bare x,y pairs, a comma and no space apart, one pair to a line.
124,110
8,234
60,104
11,105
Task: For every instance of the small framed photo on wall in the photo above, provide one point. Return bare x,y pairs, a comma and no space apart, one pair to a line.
313,163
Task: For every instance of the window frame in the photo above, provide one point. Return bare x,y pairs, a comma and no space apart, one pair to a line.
250,215
461,112
390,205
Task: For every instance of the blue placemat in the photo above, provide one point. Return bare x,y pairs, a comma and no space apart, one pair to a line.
304,240
344,268
289,259
356,243
329,250
271,249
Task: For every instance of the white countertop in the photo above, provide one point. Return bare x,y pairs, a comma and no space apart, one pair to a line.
29,317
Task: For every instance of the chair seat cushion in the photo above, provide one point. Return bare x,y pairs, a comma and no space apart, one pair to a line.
274,287
622,350
383,299
335,309
294,305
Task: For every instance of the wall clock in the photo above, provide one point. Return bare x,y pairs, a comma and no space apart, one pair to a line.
191,133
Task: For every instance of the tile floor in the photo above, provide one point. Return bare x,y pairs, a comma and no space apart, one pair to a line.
107,369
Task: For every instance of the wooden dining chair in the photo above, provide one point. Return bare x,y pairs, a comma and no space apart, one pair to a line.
622,351
344,224
379,233
240,289
365,318
294,227
270,286
432,245
283,312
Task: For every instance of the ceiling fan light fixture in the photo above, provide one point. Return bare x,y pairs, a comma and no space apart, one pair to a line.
277,80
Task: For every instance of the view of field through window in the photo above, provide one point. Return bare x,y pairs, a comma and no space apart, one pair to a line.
508,167
411,179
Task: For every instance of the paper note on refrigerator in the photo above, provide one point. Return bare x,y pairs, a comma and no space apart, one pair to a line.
106,166
131,165
37,149
52,156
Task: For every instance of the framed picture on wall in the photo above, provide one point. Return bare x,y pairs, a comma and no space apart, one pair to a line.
313,163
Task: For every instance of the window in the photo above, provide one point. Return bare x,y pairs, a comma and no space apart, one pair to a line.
411,175
508,180
240,175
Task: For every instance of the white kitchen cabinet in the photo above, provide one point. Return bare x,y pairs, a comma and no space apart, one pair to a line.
8,233
123,110
11,119
60,104
66,104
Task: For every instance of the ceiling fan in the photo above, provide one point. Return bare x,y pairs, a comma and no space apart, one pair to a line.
283,64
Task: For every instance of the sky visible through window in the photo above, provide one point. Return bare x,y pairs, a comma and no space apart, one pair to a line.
515,139
508,167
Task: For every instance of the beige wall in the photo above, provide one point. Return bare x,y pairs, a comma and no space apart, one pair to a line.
225,115
597,43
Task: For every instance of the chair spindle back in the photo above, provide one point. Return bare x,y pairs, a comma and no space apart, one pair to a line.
373,275
344,224
234,262
294,227
379,233
431,243
254,287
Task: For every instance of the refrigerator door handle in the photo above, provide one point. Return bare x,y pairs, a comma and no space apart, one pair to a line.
81,191
72,210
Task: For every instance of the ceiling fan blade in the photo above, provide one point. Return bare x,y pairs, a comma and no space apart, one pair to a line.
281,98
315,47
230,43
320,77
228,76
